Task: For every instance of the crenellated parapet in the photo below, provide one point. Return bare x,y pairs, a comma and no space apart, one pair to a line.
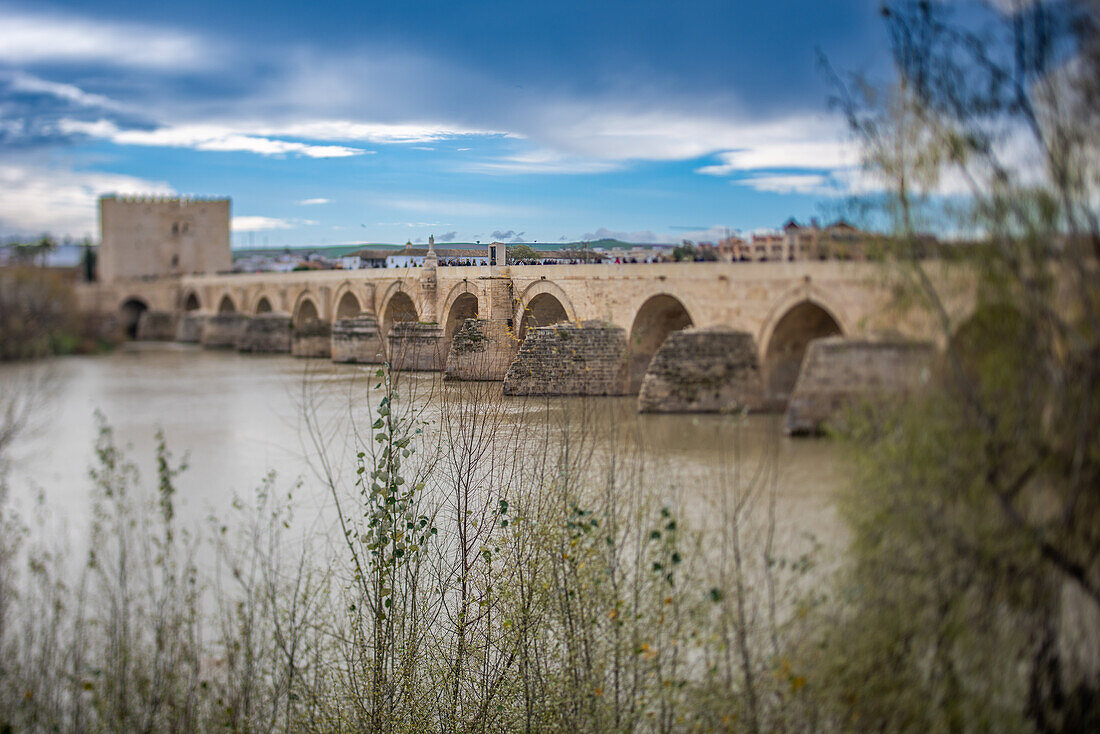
164,199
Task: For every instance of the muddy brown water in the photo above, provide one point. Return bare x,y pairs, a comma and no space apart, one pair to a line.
238,417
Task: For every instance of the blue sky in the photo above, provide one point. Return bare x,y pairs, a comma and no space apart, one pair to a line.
384,122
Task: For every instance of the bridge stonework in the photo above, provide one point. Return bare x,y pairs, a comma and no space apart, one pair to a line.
782,306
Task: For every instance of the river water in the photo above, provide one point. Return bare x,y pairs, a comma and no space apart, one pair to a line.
238,417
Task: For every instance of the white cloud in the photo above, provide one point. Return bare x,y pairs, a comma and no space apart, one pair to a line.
312,202
541,161
771,154
21,82
255,224
796,183
62,202
205,137
374,132
95,129
614,131
30,38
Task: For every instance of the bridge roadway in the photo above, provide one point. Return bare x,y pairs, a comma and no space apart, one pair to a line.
782,305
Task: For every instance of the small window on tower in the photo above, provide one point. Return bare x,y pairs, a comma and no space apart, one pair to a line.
175,261
175,227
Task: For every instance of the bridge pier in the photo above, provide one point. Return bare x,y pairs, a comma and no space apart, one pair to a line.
481,349
156,326
221,330
357,339
266,333
416,346
710,370
312,338
189,329
570,359
840,373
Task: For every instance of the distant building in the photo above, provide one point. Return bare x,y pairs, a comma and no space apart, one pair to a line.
156,236
766,246
373,258
732,249
413,257
409,257
837,241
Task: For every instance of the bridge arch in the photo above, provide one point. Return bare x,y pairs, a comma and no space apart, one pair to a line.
461,304
398,306
130,314
191,301
226,304
463,307
347,304
786,341
265,300
543,303
305,309
406,286
656,318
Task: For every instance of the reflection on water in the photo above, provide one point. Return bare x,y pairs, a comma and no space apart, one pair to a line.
239,417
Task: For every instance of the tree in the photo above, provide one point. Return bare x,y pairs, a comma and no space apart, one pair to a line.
518,253
88,261
685,251
975,572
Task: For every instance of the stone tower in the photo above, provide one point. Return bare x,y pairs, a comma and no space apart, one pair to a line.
156,236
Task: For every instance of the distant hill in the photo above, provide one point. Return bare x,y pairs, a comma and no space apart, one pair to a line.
330,251
334,251
614,244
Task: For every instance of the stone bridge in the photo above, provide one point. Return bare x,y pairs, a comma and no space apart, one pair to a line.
749,321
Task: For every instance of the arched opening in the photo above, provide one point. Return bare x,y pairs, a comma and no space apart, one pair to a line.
226,305
191,303
348,308
464,307
802,323
130,313
399,308
542,310
307,311
264,306
658,317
